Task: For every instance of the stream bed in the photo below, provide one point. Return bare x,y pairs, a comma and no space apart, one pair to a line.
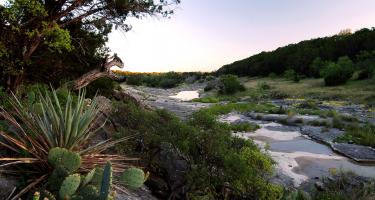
299,159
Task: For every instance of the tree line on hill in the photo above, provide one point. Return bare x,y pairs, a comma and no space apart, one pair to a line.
338,57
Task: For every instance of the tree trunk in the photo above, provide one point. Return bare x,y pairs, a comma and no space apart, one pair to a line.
104,71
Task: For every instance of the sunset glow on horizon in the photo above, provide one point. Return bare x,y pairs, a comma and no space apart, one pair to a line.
205,35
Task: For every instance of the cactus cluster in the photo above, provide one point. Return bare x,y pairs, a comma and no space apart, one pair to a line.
66,184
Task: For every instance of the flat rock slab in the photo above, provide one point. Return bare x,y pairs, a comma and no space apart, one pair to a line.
356,152
316,133
282,128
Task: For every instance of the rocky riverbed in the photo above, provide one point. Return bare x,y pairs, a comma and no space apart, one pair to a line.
304,153
176,100
301,160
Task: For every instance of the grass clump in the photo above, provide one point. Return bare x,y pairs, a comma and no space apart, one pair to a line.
243,127
345,186
206,100
364,135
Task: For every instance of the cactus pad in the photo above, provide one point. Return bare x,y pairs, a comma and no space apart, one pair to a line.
133,178
71,161
69,186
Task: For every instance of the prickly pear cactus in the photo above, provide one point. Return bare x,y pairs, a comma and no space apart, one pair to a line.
105,188
71,161
133,178
57,177
97,178
69,186
89,192
88,177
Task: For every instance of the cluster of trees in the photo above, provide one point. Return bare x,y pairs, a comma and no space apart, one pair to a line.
306,57
164,80
48,41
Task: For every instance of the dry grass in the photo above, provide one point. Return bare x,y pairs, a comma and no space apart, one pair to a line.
356,91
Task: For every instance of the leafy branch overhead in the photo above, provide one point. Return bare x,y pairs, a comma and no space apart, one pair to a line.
31,25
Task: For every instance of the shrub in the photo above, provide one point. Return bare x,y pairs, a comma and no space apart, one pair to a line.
316,66
102,86
230,84
338,73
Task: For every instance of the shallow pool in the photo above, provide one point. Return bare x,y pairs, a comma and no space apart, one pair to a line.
186,95
297,156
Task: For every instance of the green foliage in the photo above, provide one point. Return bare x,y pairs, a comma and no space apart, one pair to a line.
316,67
163,80
133,178
206,100
57,39
102,86
69,186
55,137
243,127
216,156
301,56
290,74
230,84
71,161
338,73
364,135
44,41
341,187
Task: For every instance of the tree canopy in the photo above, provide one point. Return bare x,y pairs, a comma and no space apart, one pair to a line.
38,31
306,57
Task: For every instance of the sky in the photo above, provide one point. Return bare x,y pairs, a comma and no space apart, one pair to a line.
204,35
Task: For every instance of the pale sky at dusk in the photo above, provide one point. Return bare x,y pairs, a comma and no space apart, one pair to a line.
203,35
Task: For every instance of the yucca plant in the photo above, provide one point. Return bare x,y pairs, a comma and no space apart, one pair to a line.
38,126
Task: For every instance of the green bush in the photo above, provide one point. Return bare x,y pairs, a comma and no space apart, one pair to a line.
230,84
102,86
338,73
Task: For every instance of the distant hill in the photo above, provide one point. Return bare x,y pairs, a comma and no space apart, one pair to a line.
300,56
